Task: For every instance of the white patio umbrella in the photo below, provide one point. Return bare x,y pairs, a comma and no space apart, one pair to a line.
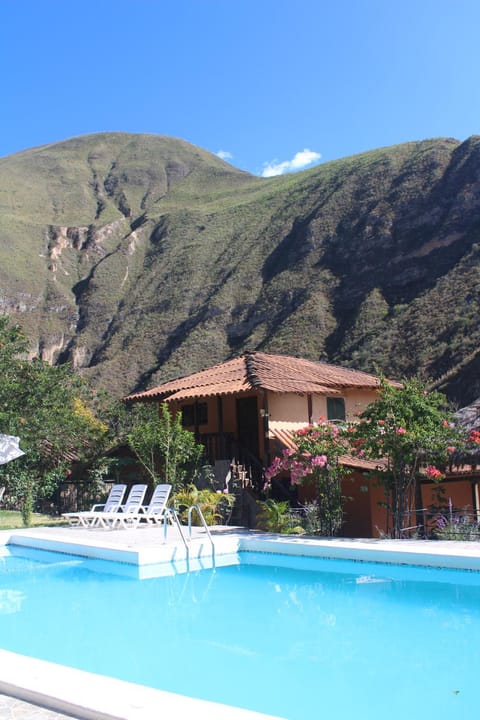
9,448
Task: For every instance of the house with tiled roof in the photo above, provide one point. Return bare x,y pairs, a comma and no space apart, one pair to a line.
259,397
245,410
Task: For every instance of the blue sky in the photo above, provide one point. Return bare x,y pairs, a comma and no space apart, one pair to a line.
275,85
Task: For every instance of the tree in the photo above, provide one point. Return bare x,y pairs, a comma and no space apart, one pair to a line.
167,451
316,460
52,410
410,432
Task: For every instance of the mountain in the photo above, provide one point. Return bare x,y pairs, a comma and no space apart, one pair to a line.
139,258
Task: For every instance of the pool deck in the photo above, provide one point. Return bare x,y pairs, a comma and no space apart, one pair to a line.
37,690
148,546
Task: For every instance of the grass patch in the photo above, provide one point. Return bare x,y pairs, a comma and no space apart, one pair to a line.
12,520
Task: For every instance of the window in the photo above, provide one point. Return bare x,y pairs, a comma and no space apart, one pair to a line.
202,413
336,409
188,415
193,415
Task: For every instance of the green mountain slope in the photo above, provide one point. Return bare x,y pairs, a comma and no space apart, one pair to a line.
140,257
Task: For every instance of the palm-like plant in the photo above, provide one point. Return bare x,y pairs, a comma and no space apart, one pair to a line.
216,507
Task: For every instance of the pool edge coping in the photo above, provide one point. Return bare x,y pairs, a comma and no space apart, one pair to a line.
445,554
89,696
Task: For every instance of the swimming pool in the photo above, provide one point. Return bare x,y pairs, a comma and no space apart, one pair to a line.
293,637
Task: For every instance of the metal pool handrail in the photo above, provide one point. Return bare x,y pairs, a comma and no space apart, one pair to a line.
202,519
172,514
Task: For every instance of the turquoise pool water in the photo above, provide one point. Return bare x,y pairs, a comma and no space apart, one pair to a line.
322,639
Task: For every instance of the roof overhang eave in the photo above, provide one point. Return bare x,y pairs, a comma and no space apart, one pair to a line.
199,393
146,397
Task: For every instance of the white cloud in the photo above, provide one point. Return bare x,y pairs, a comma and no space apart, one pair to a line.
224,154
300,160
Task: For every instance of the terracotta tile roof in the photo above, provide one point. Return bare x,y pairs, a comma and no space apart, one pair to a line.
284,437
227,377
257,370
360,463
282,373
214,389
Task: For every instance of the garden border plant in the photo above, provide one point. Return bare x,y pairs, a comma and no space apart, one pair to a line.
316,461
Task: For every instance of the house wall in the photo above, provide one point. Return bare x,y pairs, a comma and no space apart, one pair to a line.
212,416
229,416
355,402
357,506
290,411
229,404
287,410
378,514
363,515
460,492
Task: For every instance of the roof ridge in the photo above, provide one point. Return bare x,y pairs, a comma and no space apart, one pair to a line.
251,369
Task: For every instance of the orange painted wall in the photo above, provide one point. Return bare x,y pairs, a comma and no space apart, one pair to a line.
459,491
377,512
229,405
361,512
366,517
364,514
356,506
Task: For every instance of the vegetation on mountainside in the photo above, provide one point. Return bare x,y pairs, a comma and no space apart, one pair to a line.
140,258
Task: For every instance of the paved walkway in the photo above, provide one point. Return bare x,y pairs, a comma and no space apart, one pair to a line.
13,709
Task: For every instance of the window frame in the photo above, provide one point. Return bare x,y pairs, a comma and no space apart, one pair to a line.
334,404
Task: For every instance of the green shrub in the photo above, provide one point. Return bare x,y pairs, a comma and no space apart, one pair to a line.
278,517
216,506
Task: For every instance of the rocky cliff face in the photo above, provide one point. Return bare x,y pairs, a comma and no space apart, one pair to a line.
138,258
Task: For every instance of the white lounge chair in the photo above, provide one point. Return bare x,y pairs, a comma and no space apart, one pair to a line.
155,512
90,518
132,506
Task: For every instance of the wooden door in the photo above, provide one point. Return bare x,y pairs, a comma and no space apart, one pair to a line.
247,424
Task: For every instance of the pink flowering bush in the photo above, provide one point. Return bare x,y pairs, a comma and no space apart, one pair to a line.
316,461
434,473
